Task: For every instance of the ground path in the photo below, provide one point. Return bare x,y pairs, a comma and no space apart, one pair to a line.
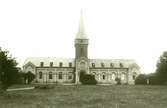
16,89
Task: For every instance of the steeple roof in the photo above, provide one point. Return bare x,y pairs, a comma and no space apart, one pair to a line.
81,30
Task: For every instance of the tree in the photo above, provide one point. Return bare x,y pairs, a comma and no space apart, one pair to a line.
141,79
161,71
8,70
153,79
87,79
29,77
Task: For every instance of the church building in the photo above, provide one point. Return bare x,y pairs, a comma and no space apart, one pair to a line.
67,70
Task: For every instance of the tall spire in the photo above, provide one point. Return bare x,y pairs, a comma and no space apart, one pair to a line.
81,31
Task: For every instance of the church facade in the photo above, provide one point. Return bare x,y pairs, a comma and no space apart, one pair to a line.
67,70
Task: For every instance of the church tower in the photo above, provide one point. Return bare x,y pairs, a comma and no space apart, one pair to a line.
81,51
81,41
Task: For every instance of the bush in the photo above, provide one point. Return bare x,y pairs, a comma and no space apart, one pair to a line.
118,80
29,77
88,79
141,79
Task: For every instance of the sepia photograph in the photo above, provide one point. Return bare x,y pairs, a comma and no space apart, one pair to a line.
83,54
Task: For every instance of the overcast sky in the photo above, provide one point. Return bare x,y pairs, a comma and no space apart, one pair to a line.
128,29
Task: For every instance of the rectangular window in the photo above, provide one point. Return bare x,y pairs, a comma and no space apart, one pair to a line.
60,64
50,75
60,75
102,64
41,64
111,65
121,65
51,64
40,75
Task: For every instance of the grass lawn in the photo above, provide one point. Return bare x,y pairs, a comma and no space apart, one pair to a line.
88,97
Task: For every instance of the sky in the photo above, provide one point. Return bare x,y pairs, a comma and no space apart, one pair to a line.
117,29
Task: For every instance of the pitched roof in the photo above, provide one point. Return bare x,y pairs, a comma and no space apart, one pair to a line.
126,63
81,30
46,60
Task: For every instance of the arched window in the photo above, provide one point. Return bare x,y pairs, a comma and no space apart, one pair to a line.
50,75
122,76
104,77
60,75
94,73
113,76
82,65
134,75
40,75
93,65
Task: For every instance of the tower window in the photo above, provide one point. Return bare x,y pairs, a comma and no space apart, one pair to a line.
81,51
50,75
51,64
102,64
41,64
60,64
70,64
93,65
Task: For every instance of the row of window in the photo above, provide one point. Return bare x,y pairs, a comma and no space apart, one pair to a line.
60,75
70,64
113,77
111,65
123,76
51,64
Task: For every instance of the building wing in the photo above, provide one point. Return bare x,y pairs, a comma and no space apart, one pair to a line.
47,61
115,63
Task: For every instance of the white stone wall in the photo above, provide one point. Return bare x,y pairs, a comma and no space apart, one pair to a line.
133,73
102,75
108,75
66,72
